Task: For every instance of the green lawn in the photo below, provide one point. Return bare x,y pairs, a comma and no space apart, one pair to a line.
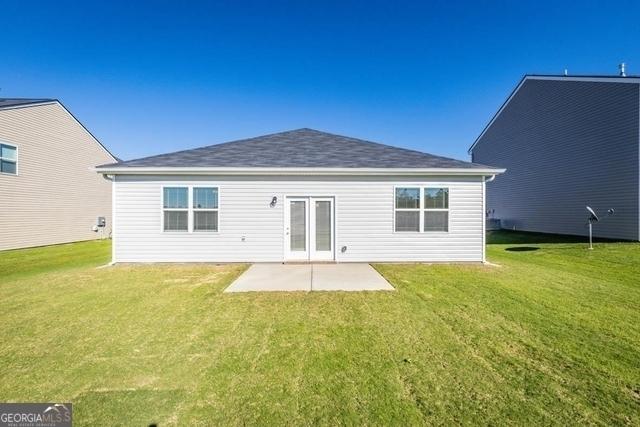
552,336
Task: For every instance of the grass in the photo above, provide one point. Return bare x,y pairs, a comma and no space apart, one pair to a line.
27,262
550,337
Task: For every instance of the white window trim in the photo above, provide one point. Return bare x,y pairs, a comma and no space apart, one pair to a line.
10,160
194,210
422,208
190,209
425,209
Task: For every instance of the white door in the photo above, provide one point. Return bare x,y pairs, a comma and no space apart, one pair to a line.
309,229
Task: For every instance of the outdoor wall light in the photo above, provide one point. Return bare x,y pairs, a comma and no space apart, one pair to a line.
273,202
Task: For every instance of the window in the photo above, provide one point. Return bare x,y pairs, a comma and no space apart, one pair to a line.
421,209
190,209
175,206
205,209
8,159
407,209
436,209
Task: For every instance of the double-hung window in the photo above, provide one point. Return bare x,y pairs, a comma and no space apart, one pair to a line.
205,209
175,205
419,209
436,209
8,159
408,209
189,208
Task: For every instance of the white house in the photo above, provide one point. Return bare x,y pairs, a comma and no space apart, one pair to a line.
301,195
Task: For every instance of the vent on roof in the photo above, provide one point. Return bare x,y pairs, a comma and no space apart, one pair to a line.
621,67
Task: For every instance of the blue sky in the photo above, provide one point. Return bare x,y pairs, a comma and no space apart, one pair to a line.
147,78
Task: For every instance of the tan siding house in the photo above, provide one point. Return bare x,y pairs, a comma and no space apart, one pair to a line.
49,192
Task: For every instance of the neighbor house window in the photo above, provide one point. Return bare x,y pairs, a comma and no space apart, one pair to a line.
436,209
175,205
407,209
205,209
8,159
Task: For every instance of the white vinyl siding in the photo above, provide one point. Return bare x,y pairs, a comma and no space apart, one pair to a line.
251,230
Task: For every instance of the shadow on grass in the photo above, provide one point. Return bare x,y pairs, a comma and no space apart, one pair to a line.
522,249
506,237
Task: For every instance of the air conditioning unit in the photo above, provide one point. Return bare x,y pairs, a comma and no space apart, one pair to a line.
493,224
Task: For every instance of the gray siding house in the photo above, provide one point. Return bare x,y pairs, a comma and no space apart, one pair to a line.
566,142
48,191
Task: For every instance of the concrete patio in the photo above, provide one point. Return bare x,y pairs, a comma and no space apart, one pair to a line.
309,277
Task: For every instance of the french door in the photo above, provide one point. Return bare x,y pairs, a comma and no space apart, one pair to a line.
309,229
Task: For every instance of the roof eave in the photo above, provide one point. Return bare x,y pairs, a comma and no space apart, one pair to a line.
29,104
113,170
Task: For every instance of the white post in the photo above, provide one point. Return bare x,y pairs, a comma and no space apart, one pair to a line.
590,237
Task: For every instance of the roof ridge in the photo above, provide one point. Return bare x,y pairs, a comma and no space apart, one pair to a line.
213,145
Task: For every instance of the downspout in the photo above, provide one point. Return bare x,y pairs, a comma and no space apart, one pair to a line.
484,216
112,178
484,220
113,219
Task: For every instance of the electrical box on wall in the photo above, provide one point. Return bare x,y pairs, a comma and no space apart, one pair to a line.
102,221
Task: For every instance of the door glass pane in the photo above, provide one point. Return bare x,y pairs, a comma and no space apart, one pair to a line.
323,226
298,232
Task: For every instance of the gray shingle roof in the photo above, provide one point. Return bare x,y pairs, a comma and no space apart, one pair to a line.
299,148
13,102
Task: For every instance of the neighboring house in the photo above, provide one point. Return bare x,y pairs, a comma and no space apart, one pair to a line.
566,142
301,195
49,192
